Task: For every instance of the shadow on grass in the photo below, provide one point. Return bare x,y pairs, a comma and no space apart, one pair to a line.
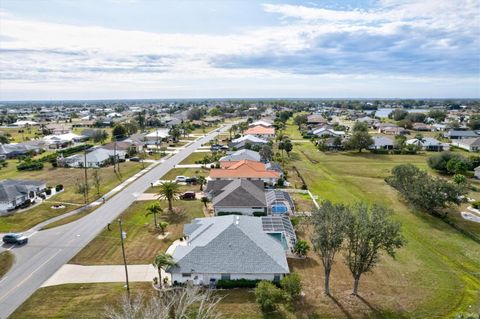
379,313
340,306
303,263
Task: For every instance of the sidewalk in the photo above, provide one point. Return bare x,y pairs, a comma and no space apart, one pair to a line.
73,274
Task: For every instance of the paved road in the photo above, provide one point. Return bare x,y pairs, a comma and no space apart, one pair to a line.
48,250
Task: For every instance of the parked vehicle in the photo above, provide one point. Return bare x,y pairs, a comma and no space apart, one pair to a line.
188,195
15,238
191,180
181,179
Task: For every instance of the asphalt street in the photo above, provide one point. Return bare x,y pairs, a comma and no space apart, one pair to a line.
48,250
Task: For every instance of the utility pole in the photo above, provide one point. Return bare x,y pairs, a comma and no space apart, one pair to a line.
85,192
123,235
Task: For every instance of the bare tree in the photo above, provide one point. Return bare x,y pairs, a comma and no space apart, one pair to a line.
176,303
97,180
329,223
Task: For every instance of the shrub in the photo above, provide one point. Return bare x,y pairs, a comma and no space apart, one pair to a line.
228,213
301,248
476,204
59,187
48,191
292,285
236,283
29,165
259,214
268,296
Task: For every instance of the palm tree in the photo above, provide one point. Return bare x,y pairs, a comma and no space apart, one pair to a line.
205,200
201,180
162,261
154,209
163,225
169,191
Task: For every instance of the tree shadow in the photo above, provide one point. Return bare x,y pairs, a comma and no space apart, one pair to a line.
341,307
379,313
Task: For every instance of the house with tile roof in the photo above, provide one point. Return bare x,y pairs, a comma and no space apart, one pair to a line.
245,169
261,131
215,245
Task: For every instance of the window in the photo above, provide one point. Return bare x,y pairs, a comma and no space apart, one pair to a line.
186,275
276,277
225,277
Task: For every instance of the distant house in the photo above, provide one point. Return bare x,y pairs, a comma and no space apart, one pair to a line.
14,150
469,144
261,123
242,142
242,155
393,130
99,157
23,123
315,119
240,196
477,172
422,127
157,136
59,128
63,140
382,142
14,193
458,135
230,247
261,131
326,132
128,147
428,144
245,169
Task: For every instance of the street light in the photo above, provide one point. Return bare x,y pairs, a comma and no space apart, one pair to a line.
123,236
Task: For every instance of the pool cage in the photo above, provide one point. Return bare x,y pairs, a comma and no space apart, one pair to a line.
279,203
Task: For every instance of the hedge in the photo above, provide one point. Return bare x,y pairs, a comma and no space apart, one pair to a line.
259,214
237,283
30,165
228,213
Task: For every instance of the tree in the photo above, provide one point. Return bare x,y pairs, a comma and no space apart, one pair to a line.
360,127
169,191
162,261
177,303
360,140
292,285
457,166
131,127
154,209
438,115
266,153
369,231
205,201
400,142
329,224
163,226
288,146
398,114
97,180
4,139
175,133
474,122
301,248
194,114
201,180
300,119
119,132
267,295
439,161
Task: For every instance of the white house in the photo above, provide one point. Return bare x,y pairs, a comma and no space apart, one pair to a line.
229,247
14,193
469,144
97,158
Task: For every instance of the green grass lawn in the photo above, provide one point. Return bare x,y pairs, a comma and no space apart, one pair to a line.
83,301
142,242
195,156
190,172
17,136
68,177
71,218
6,262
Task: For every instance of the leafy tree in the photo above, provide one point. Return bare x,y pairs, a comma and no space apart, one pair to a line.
119,132
360,140
400,142
215,111
266,153
175,133
163,226
169,191
288,147
416,117
201,180
438,115
457,166
369,231
4,139
162,261
205,201
268,296
360,127
154,209
194,114
423,191
329,222
292,285
300,119
301,248
439,161
131,127
474,122
398,114
99,136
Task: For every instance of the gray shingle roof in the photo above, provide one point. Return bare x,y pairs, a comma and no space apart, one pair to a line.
242,155
230,244
11,189
241,193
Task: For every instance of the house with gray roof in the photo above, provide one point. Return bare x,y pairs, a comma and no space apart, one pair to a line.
381,142
240,196
428,144
242,155
14,193
229,247
14,150
469,144
458,135
98,157
241,142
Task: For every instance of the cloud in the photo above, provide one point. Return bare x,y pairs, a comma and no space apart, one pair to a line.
393,40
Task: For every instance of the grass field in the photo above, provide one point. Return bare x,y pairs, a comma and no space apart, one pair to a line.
68,177
18,135
6,262
192,158
141,244
71,218
83,301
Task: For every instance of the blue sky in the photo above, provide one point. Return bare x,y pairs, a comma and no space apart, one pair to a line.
95,49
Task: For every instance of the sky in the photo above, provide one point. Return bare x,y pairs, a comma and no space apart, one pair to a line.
119,49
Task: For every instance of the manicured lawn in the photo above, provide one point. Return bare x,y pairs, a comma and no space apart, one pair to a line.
76,300
142,242
16,135
68,177
6,262
70,219
195,156
190,172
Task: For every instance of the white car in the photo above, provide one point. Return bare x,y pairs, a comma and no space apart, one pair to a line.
181,179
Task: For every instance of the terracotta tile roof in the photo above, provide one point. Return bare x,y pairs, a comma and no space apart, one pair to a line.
243,169
260,130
